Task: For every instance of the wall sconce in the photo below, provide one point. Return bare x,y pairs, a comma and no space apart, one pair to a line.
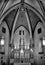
2,41
43,41
43,45
2,45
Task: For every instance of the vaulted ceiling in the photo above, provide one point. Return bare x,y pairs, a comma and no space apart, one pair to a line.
32,16
21,20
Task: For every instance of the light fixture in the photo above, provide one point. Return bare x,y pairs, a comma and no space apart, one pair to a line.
15,46
43,45
21,51
26,46
31,50
2,41
43,42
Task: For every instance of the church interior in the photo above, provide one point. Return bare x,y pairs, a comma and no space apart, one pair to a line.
22,32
